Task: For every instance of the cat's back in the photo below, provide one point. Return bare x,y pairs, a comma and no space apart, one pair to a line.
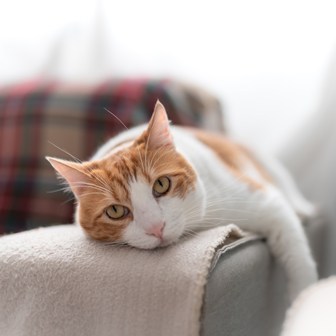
226,159
218,154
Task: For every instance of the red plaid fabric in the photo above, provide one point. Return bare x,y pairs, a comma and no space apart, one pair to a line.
35,115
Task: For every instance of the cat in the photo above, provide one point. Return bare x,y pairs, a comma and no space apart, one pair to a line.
152,184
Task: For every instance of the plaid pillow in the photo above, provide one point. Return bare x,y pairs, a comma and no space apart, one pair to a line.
36,117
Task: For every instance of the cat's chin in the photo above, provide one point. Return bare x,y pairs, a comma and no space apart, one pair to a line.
146,245
151,245
167,242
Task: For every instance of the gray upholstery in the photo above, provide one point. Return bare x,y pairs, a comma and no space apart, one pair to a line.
246,291
245,294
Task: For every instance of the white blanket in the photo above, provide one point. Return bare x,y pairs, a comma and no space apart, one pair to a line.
55,281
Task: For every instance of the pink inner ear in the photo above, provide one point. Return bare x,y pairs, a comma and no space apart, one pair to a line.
73,173
159,129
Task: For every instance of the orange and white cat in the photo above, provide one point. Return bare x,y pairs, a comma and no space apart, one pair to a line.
152,184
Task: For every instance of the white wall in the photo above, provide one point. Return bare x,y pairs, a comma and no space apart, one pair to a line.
265,59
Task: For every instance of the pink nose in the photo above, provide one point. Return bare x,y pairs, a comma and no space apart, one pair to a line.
156,230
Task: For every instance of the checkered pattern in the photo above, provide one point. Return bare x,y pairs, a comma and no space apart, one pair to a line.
36,115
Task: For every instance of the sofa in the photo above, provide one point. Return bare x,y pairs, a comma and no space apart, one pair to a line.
245,290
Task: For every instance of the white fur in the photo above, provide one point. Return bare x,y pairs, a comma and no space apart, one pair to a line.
220,198
149,211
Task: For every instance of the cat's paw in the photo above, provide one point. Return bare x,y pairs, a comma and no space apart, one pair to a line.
306,210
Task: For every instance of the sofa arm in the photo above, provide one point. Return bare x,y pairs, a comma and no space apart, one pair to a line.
57,282
245,294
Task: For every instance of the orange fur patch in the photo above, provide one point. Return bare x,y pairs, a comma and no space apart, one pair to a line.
262,171
232,155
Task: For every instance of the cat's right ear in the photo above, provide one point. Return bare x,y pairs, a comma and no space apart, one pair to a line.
73,172
158,131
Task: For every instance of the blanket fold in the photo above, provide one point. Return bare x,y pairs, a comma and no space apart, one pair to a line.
56,282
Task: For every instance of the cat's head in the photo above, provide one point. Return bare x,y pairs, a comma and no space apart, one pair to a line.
144,194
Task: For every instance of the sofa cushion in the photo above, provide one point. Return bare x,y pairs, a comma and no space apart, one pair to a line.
37,117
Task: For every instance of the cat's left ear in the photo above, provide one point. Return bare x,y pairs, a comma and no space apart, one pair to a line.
158,131
73,172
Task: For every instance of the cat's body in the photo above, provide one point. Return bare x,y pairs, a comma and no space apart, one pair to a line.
172,181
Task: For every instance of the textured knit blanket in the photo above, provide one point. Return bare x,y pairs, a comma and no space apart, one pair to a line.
55,281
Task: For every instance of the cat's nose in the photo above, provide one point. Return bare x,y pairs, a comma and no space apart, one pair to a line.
156,230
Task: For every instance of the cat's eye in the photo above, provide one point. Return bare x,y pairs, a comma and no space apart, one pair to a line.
161,186
116,211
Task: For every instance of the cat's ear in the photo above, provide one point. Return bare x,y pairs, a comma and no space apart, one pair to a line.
158,131
73,172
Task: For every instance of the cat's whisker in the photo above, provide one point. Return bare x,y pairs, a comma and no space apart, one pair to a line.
70,199
110,112
87,194
82,183
217,206
143,167
233,183
229,209
213,221
191,234
150,165
140,157
64,151
158,150
103,183
154,166
142,164
64,189
197,215
100,179
191,230
117,244
161,151
146,145
92,186
228,200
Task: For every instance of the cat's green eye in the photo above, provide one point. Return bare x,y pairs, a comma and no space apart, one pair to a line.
161,186
116,211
